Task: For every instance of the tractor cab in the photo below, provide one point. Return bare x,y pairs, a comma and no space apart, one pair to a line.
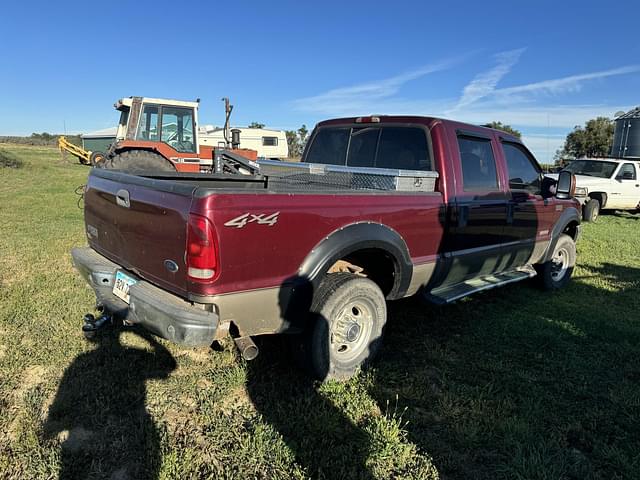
158,120
156,134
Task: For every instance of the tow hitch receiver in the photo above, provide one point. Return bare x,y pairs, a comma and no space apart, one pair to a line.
91,325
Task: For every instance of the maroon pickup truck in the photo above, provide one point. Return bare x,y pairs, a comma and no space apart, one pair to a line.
380,208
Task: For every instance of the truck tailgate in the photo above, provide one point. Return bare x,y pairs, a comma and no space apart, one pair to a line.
140,224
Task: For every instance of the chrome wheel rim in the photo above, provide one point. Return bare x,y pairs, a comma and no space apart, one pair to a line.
559,264
351,330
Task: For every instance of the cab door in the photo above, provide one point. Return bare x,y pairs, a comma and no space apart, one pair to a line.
529,216
478,214
628,186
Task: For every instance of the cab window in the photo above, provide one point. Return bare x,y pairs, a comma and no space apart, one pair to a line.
627,172
404,148
177,128
478,164
523,172
148,125
329,146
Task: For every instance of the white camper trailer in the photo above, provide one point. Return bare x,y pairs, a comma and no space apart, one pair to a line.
268,143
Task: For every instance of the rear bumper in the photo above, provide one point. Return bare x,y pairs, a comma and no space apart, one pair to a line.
157,310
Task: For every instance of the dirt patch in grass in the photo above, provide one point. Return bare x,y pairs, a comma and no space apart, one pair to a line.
235,399
75,439
32,376
197,355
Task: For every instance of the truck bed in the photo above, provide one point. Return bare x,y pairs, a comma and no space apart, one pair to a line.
253,253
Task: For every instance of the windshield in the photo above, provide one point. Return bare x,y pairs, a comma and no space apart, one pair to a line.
592,168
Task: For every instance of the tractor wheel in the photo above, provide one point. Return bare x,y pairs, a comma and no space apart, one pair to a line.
139,161
97,158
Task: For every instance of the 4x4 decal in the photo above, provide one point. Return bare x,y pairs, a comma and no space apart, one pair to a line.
260,219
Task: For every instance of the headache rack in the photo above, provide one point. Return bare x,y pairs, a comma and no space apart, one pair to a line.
315,176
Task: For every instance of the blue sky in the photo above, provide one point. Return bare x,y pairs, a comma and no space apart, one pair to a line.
542,67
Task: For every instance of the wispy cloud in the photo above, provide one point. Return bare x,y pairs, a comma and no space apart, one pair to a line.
485,83
483,88
538,116
482,100
358,97
572,83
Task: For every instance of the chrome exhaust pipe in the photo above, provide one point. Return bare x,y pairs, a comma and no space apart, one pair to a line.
247,348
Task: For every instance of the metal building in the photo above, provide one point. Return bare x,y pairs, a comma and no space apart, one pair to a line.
626,137
99,140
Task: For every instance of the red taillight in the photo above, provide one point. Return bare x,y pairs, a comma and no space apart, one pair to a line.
202,264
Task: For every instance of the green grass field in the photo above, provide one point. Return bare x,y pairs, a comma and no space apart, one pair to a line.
514,383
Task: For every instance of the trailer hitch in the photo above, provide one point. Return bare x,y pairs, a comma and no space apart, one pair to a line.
91,325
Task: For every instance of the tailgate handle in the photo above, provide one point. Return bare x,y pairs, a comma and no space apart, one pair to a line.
122,198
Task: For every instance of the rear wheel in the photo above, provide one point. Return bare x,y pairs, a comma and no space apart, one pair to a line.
591,210
138,161
556,273
348,314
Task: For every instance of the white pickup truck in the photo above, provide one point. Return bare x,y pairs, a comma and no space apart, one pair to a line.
606,184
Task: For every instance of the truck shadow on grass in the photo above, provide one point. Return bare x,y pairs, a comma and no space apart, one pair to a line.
324,440
99,413
519,383
630,215
513,383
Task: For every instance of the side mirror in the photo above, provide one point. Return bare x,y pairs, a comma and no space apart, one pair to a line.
566,186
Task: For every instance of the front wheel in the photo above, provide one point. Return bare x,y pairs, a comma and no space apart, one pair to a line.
591,210
556,273
348,315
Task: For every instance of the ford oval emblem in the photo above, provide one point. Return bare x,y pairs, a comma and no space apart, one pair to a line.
171,266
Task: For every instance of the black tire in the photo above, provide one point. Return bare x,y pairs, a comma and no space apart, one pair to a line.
591,210
556,273
139,161
97,158
348,315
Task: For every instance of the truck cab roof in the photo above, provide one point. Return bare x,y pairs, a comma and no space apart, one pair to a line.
419,119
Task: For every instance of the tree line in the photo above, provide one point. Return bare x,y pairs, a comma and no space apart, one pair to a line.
40,139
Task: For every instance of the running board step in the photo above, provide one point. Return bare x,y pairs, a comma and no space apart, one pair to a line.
451,293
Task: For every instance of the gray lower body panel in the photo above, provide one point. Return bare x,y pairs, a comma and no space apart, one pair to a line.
160,312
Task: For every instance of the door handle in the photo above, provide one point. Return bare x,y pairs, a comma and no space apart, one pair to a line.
122,198
463,215
510,208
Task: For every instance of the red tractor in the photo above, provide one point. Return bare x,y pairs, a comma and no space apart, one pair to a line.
161,135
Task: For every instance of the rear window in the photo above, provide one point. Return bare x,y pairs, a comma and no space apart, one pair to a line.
403,148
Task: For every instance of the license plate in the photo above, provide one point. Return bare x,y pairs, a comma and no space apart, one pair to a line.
121,285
